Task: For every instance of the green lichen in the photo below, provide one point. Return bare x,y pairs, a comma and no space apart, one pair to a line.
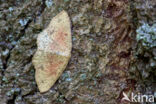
66,77
5,79
61,99
83,76
66,0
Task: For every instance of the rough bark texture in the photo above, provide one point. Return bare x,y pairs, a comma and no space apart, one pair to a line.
103,37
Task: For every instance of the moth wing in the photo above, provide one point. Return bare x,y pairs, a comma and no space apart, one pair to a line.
54,51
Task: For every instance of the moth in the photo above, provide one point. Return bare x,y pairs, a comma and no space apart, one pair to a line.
54,46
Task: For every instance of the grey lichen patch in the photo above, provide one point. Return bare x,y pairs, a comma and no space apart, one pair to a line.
143,69
147,35
49,3
23,22
13,91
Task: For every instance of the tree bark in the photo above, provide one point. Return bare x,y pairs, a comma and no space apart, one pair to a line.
103,38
